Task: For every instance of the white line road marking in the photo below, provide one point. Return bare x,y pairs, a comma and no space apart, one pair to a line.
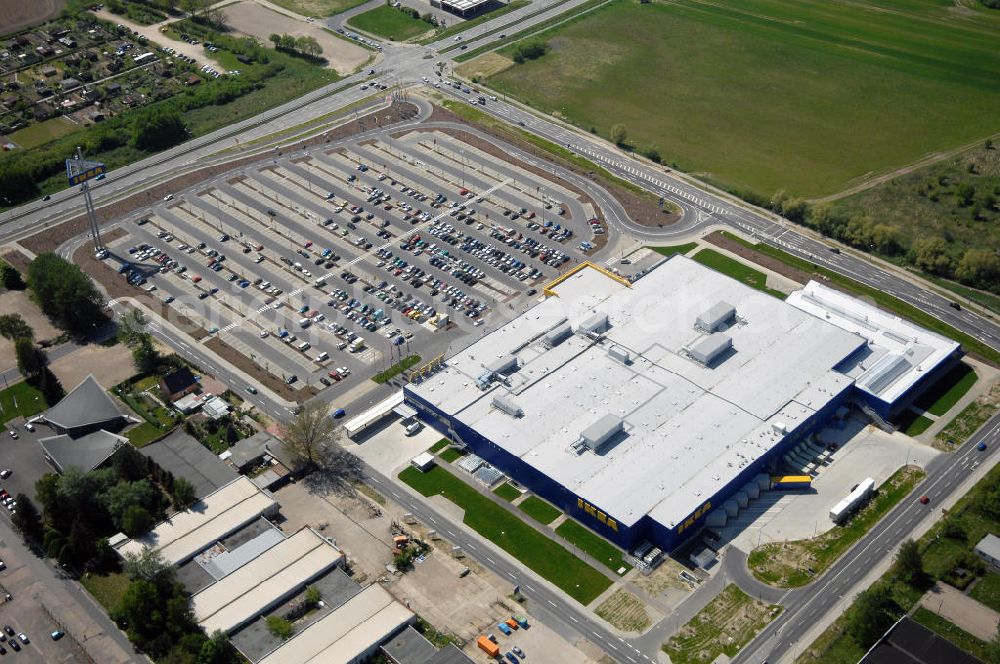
511,576
550,602
574,620
491,560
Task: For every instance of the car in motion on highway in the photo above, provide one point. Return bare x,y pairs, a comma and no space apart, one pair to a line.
924,500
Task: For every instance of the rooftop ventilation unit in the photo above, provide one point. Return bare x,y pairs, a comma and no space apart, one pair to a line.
708,349
557,335
503,365
507,405
595,324
717,315
620,354
601,431
484,379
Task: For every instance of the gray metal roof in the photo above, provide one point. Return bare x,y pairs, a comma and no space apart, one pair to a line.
86,452
261,443
706,350
410,647
990,545
185,457
86,405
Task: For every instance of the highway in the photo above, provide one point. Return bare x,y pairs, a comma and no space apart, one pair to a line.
406,66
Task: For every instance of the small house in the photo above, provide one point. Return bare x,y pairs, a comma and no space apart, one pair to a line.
178,383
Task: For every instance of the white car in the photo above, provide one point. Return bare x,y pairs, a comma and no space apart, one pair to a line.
264,334
168,197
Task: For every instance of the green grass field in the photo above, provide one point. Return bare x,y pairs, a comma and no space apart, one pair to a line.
737,270
43,132
912,424
450,455
144,434
539,510
675,249
547,558
599,548
987,591
872,88
943,395
438,446
106,589
389,23
20,399
507,492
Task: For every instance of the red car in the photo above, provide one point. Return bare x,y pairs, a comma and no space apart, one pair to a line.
308,244
924,500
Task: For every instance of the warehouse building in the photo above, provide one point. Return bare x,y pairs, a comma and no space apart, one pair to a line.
212,518
639,409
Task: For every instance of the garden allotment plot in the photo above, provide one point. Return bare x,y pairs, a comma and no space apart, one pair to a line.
764,95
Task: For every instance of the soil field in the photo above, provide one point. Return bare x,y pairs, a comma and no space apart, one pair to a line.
19,14
763,95
17,302
258,21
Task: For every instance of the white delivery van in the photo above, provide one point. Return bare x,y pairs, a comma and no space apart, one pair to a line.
304,323
304,346
323,357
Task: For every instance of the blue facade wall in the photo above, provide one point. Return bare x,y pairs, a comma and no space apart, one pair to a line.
577,507
890,410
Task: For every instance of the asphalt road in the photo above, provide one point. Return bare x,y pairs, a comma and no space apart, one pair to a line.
406,65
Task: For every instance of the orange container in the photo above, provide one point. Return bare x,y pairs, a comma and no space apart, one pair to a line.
487,646
512,623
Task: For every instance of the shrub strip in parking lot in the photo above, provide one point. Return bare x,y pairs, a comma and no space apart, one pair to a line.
396,369
539,553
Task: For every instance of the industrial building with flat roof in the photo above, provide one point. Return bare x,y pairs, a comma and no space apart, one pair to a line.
212,518
640,409
347,635
275,574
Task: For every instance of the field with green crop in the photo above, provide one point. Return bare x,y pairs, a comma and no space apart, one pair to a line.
762,95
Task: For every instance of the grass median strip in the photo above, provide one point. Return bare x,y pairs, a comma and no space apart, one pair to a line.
507,492
539,510
396,369
737,270
675,249
788,564
596,546
540,554
728,623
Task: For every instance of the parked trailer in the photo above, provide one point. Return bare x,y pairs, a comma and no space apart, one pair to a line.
791,482
487,646
521,620
853,501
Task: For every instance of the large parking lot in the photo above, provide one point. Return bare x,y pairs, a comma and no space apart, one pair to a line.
342,260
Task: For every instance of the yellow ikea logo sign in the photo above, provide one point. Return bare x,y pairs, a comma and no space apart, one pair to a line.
698,513
597,514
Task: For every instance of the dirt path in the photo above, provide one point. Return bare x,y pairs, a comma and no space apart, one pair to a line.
921,163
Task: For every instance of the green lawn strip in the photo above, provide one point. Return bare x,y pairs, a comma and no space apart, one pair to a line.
21,399
507,492
987,591
438,446
724,626
966,423
396,369
456,28
913,424
542,555
824,550
833,646
599,548
675,249
949,630
945,393
737,270
880,298
107,589
476,116
539,510
538,27
144,434
450,455
389,23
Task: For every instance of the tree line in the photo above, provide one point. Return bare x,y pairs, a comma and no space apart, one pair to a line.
303,45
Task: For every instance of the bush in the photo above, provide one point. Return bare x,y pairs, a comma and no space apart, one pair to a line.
530,50
280,627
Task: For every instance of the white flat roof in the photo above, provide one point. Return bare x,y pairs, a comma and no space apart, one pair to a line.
689,429
210,519
898,352
367,619
280,571
376,412
463,5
